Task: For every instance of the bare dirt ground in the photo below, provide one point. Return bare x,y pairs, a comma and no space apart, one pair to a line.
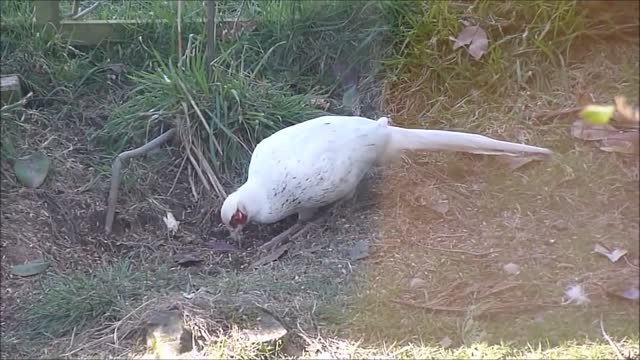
439,229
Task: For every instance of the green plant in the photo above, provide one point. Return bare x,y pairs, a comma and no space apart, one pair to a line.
227,111
75,301
529,34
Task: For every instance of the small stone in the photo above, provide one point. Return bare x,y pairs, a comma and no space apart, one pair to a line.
166,336
511,269
267,329
446,342
560,226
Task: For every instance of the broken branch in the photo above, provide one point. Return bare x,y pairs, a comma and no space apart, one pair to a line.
116,173
485,253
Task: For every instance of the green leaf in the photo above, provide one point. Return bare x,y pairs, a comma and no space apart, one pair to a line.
597,114
32,170
30,269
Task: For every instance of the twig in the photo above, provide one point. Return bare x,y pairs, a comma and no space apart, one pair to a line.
271,257
17,104
117,325
498,308
630,263
86,11
485,253
552,114
184,159
116,173
212,176
499,288
73,334
193,186
92,343
613,345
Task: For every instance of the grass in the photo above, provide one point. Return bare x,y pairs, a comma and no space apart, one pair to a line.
544,217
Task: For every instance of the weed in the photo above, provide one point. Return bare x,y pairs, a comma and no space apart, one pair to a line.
228,110
70,302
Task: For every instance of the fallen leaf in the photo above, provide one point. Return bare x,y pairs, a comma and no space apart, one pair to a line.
32,170
476,39
446,342
171,222
417,283
441,207
575,294
30,269
632,293
584,131
613,254
628,290
360,250
320,103
539,318
221,246
187,259
621,146
511,269
597,114
626,115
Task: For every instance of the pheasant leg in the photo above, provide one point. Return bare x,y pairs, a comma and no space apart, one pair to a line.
278,239
303,224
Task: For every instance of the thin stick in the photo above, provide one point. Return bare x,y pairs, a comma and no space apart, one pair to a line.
116,173
464,251
613,345
85,11
552,114
271,257
117,325
193,185
497,308
630,263
184,159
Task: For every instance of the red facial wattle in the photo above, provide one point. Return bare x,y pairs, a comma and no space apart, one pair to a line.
238,218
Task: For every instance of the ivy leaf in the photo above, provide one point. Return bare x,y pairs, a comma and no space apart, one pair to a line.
597,114
32,170
30,269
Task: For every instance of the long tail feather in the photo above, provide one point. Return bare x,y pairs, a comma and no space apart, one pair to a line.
439,140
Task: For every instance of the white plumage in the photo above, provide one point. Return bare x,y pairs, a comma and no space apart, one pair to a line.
317,162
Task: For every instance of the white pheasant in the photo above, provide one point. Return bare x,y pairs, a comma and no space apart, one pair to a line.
320,161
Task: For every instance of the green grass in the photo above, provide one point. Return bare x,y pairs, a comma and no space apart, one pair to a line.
525,39
79,300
